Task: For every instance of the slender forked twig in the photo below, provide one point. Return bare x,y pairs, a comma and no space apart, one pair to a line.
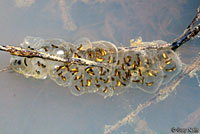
190,26
189,33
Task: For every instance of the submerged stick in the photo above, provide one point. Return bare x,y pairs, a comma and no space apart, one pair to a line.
189,33
18,51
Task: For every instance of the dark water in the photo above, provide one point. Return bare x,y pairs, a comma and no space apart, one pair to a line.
30,106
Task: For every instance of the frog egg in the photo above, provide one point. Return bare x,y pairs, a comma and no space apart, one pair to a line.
103,52
82,81
18,64
148,76
22,65
40,68
82,44
59,73
120,75
31,42
171,64
149,83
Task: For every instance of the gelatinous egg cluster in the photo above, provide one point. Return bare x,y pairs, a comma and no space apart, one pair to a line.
144,69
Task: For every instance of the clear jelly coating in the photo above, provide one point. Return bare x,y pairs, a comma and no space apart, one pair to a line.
121,68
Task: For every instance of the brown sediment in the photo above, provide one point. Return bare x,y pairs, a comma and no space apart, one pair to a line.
24,3
142,126
66,17
136,11
108,28
192,120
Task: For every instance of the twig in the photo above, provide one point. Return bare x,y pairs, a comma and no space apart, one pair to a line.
18,51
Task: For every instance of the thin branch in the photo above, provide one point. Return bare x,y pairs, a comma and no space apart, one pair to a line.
189,33
18,51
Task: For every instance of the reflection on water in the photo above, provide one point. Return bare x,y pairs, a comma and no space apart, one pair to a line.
40,106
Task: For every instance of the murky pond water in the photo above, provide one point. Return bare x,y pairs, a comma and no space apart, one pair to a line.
30,106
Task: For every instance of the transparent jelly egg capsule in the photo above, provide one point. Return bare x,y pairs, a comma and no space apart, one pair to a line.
40,68
22,65
61,48
81,45
51,45
132,64
88,80
78,84
121,74
31,42
145,73
102,80
150,82
56,72
103,52
84,85
170,64
106,90
69,49
18,64
82,82
59,72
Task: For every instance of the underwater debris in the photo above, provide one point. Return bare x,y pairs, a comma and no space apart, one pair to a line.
24,3
66,17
